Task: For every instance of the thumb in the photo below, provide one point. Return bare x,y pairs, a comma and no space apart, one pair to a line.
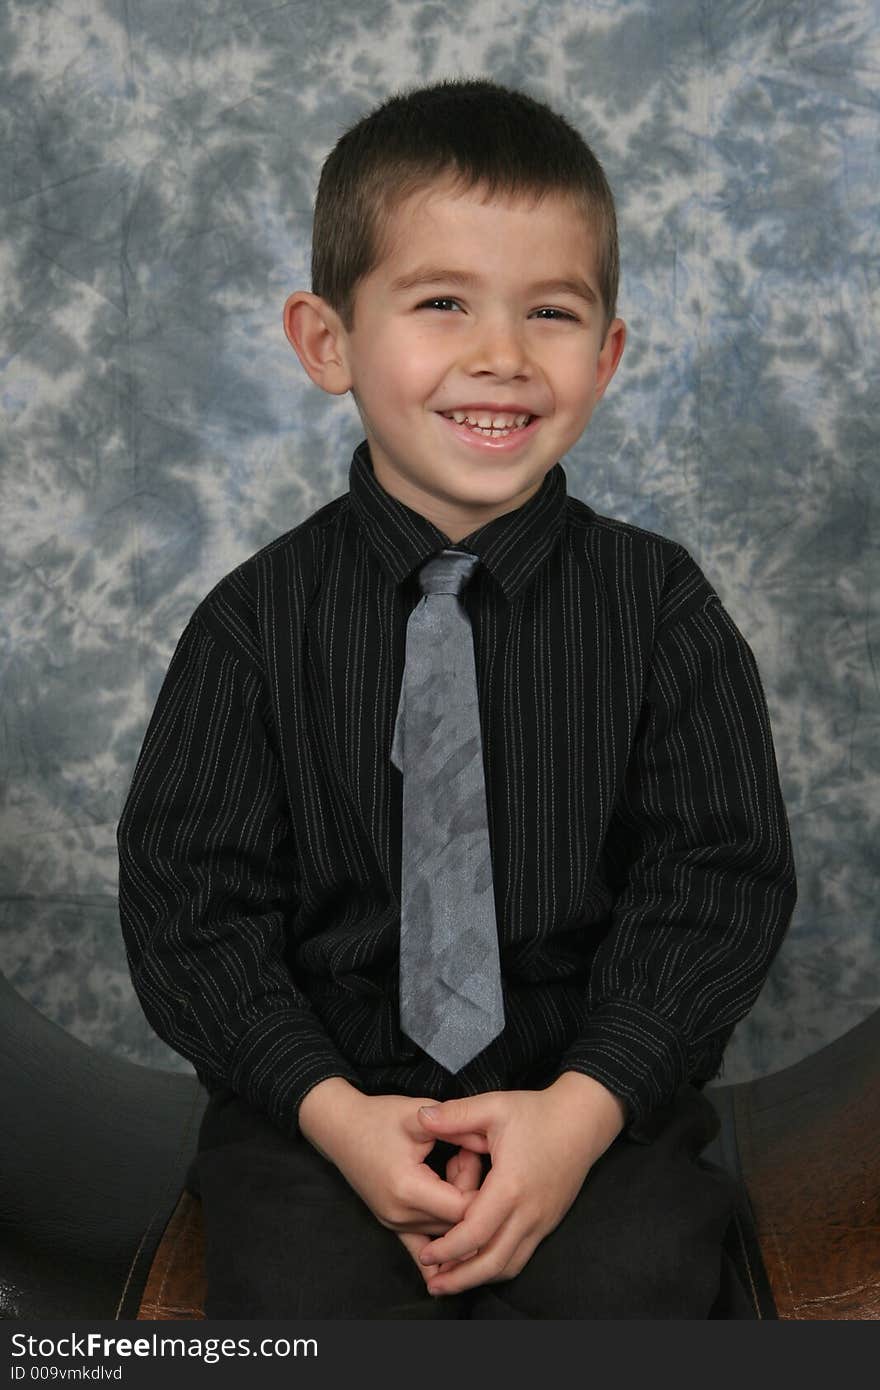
463,1121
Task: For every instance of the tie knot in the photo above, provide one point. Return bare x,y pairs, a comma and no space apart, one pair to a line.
448,572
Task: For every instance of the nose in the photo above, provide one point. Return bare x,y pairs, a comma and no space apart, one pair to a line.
498,347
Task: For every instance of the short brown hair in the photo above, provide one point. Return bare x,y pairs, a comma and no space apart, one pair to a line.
471,131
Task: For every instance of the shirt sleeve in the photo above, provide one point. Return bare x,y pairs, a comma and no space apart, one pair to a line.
700,861
208,881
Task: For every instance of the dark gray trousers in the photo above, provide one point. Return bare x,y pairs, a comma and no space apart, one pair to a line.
287,1237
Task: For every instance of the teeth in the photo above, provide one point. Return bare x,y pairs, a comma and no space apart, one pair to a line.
486,421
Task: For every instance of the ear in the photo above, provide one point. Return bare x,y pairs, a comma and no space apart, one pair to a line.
317,336
610,355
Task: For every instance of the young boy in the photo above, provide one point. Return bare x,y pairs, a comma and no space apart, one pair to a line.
464,287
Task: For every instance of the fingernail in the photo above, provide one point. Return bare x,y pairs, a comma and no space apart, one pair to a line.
429,1110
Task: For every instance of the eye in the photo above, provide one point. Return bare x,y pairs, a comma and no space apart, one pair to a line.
561,313
427,303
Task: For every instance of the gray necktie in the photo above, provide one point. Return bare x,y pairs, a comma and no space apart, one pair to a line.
450,973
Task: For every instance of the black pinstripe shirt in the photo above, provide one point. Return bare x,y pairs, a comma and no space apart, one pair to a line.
642,862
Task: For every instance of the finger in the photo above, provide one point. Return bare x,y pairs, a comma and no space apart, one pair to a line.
433,1271
413,1242
466,1119
467,1139
430,1225
484,1266
465,1170
473,1139
424,1224
435,1199
486,1214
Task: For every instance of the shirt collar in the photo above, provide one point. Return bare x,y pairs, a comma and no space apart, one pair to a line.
512,547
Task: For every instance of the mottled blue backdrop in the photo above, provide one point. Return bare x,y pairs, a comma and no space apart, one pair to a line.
158,163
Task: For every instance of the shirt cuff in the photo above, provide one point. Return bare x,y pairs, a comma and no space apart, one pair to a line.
283,1057
637,1054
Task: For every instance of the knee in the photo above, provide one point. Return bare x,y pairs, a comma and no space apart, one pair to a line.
675,1271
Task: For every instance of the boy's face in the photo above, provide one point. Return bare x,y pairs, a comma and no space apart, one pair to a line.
510,338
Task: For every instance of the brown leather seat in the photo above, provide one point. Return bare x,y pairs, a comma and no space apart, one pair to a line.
805,1144
176,1283
809,1147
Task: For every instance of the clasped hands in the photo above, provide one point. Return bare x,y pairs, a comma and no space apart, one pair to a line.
463,1232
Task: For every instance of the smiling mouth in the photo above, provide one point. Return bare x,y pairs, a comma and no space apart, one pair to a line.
492,431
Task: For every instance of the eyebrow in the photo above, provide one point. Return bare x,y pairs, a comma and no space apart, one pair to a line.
432,275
